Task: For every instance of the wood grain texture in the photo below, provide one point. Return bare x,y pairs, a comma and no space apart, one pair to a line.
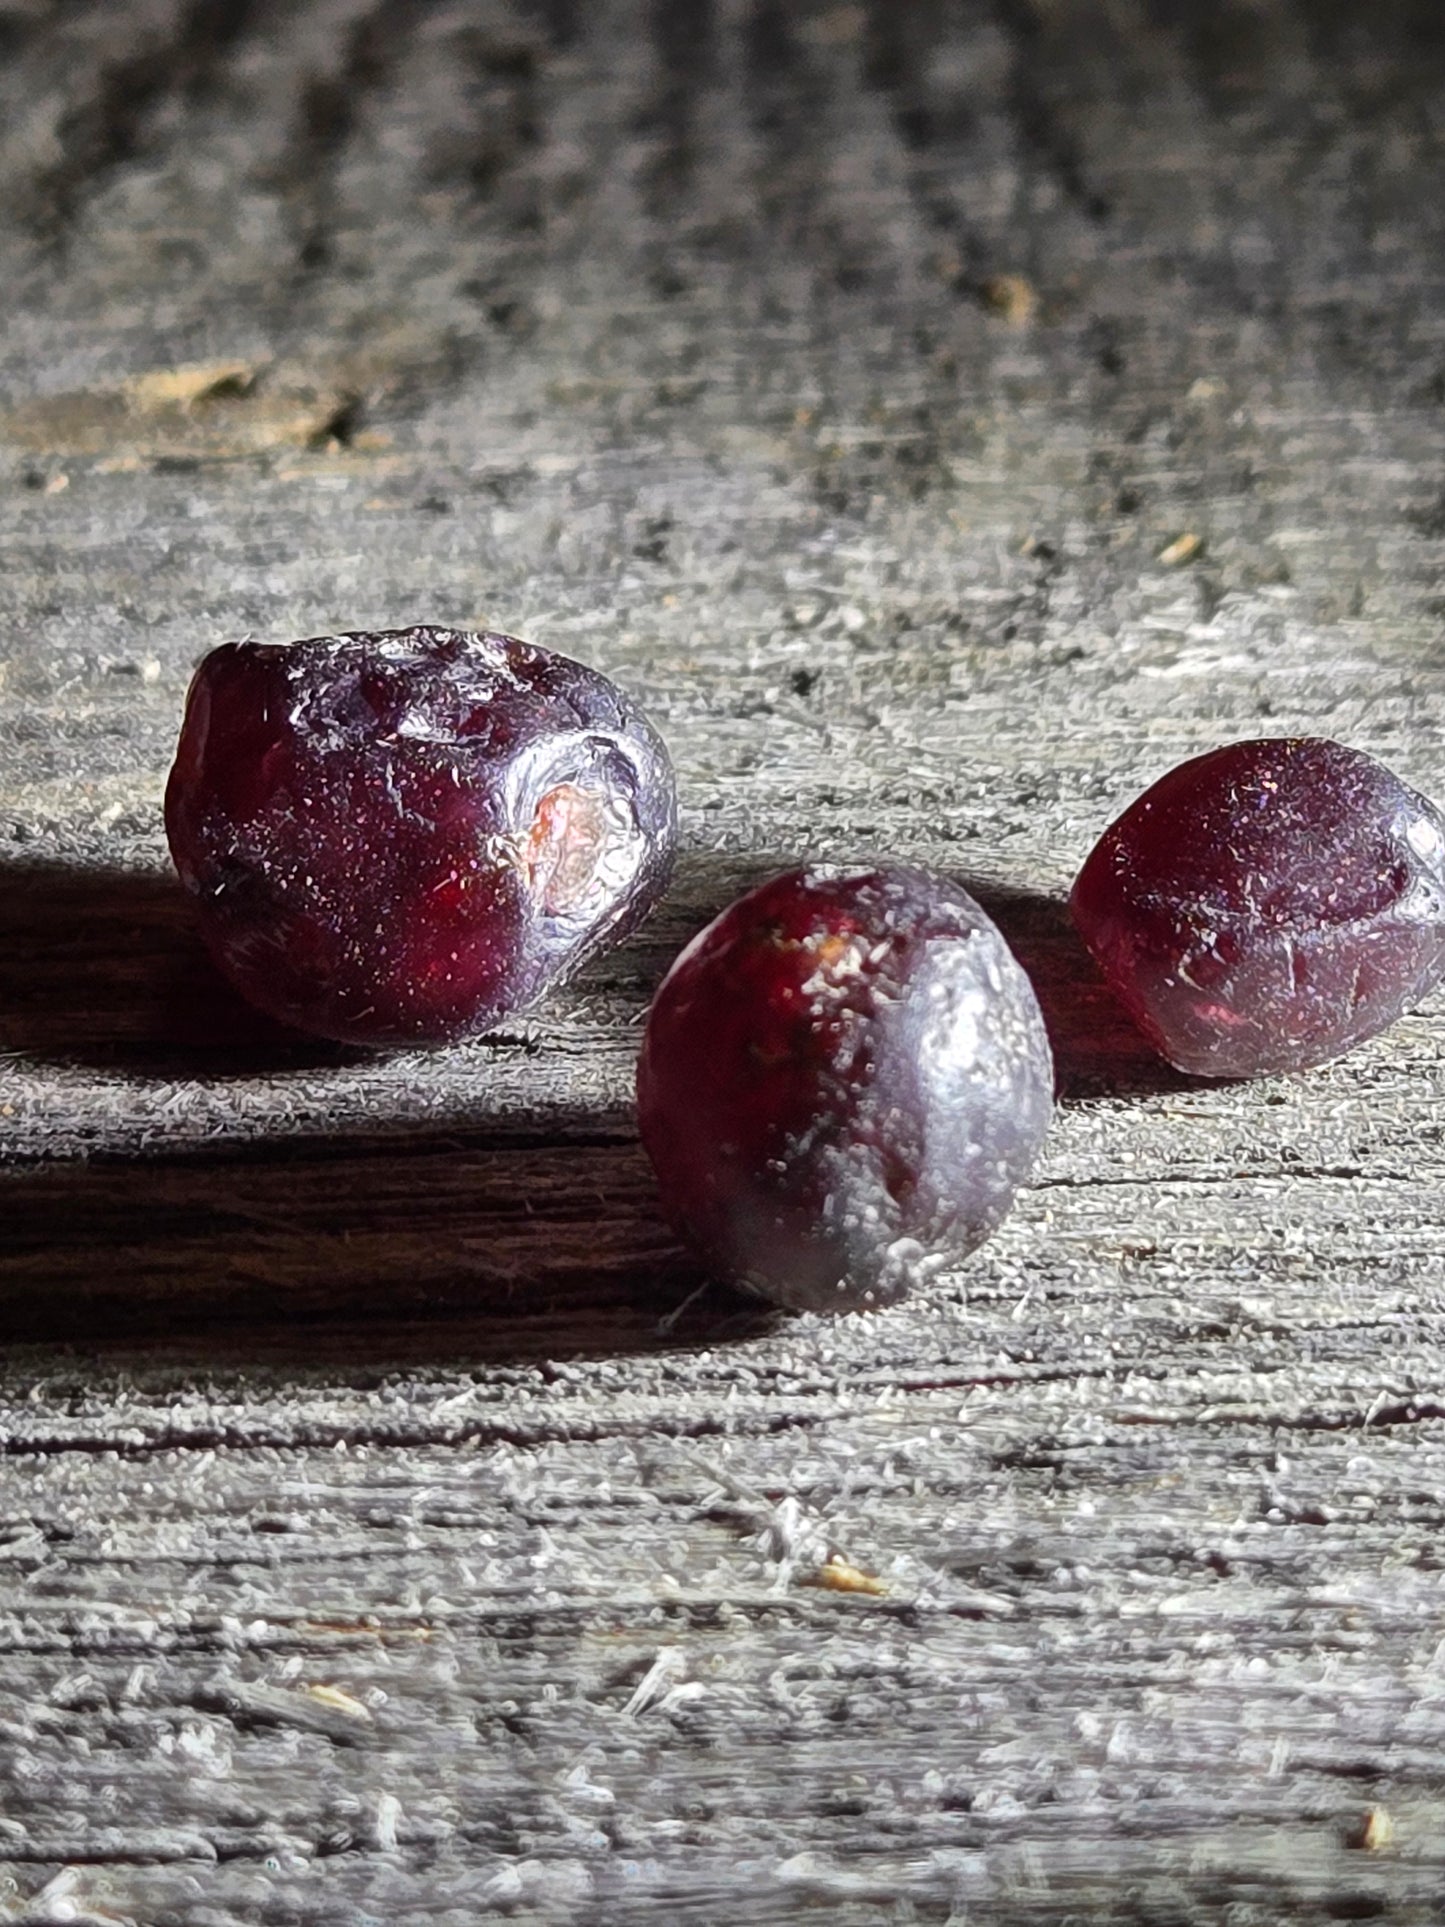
393,1527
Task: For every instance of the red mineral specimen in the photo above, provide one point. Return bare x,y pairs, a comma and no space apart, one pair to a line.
844,1080
1268,905
407,837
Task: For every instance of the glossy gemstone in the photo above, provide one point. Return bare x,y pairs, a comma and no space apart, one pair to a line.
844,1080
1269,905
407,837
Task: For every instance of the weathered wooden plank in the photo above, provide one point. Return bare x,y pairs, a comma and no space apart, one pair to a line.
389,1529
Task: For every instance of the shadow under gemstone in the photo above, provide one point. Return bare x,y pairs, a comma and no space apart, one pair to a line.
308,1249
1098,1049
384,1243
104,967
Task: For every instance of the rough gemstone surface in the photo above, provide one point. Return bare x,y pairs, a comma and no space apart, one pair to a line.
1268,905
406,837
843,1081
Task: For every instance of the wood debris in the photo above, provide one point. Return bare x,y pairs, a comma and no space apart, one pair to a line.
339,1702
230,408
194,382
210,412
840,1575
1377,1831
1012,297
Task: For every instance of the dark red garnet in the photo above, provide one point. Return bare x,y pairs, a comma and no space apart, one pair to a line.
844,1080
1268,905
407,837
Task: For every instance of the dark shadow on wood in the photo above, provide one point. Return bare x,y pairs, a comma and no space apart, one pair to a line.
489,1244
348,1251
1098,1050
104,967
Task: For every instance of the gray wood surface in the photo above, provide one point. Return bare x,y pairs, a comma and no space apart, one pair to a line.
944,416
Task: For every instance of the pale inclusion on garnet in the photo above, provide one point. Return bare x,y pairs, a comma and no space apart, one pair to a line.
408,836
1268,905
582,852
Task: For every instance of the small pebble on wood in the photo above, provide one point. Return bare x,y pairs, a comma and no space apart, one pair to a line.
1268,905
843,1082
407,837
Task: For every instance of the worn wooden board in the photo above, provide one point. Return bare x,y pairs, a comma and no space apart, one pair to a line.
390,1530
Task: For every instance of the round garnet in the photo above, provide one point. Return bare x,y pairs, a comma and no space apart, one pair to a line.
407,837
844,1080
1268,905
